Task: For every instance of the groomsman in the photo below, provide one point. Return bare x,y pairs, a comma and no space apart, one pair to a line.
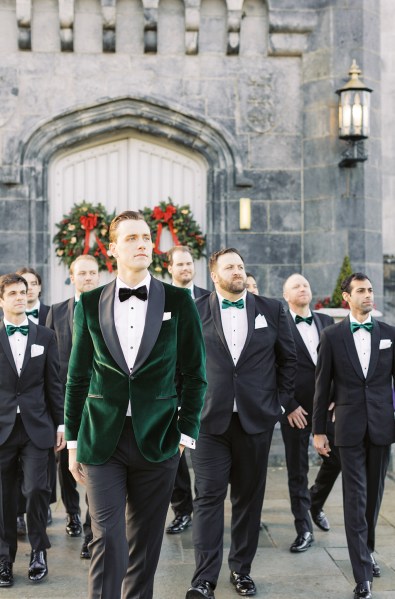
124,430
84,275
357,356
251,367
31,410
181,267
306,328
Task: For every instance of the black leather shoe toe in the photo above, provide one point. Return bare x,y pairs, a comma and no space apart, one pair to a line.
73,525
38,568
85,553
6,577
362,590
375,567
319,518
302,542
179,524
199,589
243,583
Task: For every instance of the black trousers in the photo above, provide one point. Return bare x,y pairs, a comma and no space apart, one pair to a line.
364,468
181,498
52,483
240,459
68,485
125,553
35,488
296,443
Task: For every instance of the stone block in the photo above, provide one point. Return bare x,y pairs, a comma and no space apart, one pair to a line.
220,97
325,247
274,184
45,27
321,152
13,213
277,276
14,245
319,215
268,248
284,217
271,151
321,182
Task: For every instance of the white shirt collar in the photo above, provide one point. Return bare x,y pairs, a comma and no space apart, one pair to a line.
35,307
26,321
294,315
368,319
221,297
147,281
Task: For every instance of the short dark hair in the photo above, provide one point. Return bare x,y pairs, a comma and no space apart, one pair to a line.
249,274
355,276
214,257
27,269
178,248
126,215
10,279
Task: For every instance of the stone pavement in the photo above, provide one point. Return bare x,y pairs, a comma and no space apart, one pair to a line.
323,572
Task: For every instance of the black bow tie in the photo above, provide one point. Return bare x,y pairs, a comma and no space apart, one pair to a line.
33,313
125,293
307,320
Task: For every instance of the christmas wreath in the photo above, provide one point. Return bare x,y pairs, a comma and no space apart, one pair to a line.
86,224
183,229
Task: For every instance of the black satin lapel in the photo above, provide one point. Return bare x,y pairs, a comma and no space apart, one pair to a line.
216,316
350,346
153,321
374,348
298,337
318,323
107,325
250,307
31,339
6,346
70,314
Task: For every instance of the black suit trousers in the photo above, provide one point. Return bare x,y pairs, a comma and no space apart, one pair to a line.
125,553
35,488
364,467
181,498
240,459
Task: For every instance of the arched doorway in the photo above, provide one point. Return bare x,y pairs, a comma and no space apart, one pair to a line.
128,172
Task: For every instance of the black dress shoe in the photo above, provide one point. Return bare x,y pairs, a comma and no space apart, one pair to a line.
319,518
6,577
73,525
362,590
21,526
85,553
38,568
243,584
49,517
302,542
199,589
179,524
375,567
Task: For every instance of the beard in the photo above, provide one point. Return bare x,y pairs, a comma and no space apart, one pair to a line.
235,286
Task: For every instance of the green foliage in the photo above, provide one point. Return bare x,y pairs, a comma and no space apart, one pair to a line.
345,271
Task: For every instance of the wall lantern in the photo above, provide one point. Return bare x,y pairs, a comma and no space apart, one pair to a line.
354,117
245,213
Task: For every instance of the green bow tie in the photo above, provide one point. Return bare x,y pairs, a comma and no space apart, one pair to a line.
355,326
11,329
299,319
33,313
228,304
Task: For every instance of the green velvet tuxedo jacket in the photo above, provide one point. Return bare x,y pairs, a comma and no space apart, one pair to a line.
100,384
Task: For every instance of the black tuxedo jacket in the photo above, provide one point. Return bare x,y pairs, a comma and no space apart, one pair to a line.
42,314
263,378
361,404
200,292
305,376
37,391
60,319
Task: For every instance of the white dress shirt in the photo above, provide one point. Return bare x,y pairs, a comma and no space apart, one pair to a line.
309,334
235,328
35,307
363,344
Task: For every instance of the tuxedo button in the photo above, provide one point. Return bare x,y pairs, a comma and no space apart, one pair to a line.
235,375
132,377
18,393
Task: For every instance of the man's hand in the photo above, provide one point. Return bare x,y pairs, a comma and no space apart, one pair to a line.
321,444
60,442
297,418
75,467
181,448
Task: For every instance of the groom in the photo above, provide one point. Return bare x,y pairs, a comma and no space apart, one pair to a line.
125,434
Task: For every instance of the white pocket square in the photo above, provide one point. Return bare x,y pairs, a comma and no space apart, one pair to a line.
166,315
36,350
260,322
385,343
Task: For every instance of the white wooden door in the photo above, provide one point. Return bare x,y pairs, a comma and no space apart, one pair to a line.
125,174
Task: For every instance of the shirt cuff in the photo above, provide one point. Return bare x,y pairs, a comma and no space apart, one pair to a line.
71,444
60,428
187,441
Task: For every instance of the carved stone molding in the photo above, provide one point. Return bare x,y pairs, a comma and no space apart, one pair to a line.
235,14
150,26
192,26
66,23
289,31
109,12
24,21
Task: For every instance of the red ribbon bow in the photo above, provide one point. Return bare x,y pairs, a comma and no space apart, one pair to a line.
167,218
89,222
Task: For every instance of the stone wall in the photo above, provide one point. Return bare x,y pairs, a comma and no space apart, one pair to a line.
250,85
